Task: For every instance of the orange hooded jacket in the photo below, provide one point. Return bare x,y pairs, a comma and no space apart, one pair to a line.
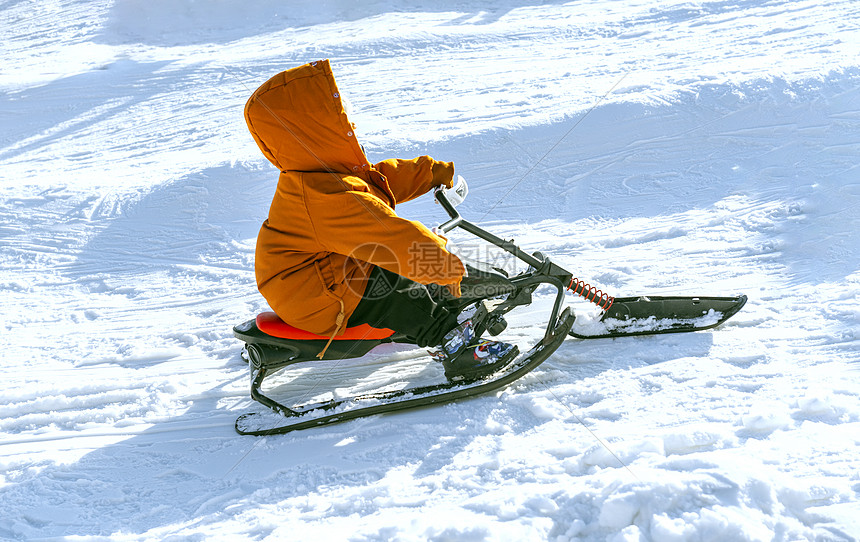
332,217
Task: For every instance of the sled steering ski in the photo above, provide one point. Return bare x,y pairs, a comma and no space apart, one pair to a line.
273,346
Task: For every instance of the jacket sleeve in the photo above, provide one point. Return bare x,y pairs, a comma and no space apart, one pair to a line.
360,225
409,179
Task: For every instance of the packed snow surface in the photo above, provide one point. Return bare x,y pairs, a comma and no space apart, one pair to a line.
667,148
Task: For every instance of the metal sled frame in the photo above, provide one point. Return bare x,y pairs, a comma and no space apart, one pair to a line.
319,414
268,355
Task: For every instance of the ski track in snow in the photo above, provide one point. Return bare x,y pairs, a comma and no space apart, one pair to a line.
721,157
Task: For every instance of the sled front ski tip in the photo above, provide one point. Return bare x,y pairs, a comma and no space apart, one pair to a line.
269,423
654,315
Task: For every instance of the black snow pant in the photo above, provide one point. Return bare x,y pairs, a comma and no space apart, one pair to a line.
408,307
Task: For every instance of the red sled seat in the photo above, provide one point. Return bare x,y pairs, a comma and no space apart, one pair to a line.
270,324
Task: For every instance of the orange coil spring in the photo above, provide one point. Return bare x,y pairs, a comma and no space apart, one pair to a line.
590,293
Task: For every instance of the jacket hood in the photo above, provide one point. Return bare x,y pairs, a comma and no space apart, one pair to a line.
298,120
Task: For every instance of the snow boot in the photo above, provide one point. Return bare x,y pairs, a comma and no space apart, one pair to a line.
465,357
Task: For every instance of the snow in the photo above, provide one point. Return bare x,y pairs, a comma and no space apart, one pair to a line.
671,148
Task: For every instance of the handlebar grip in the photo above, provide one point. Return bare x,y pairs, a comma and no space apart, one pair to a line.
442,199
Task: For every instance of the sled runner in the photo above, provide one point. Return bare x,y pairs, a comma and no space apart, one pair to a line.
274,346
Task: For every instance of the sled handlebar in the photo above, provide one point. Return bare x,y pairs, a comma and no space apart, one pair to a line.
544,269
442,199
457,221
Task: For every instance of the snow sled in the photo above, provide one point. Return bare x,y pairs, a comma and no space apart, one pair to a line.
272,346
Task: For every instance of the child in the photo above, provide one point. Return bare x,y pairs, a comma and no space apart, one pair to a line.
333,252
